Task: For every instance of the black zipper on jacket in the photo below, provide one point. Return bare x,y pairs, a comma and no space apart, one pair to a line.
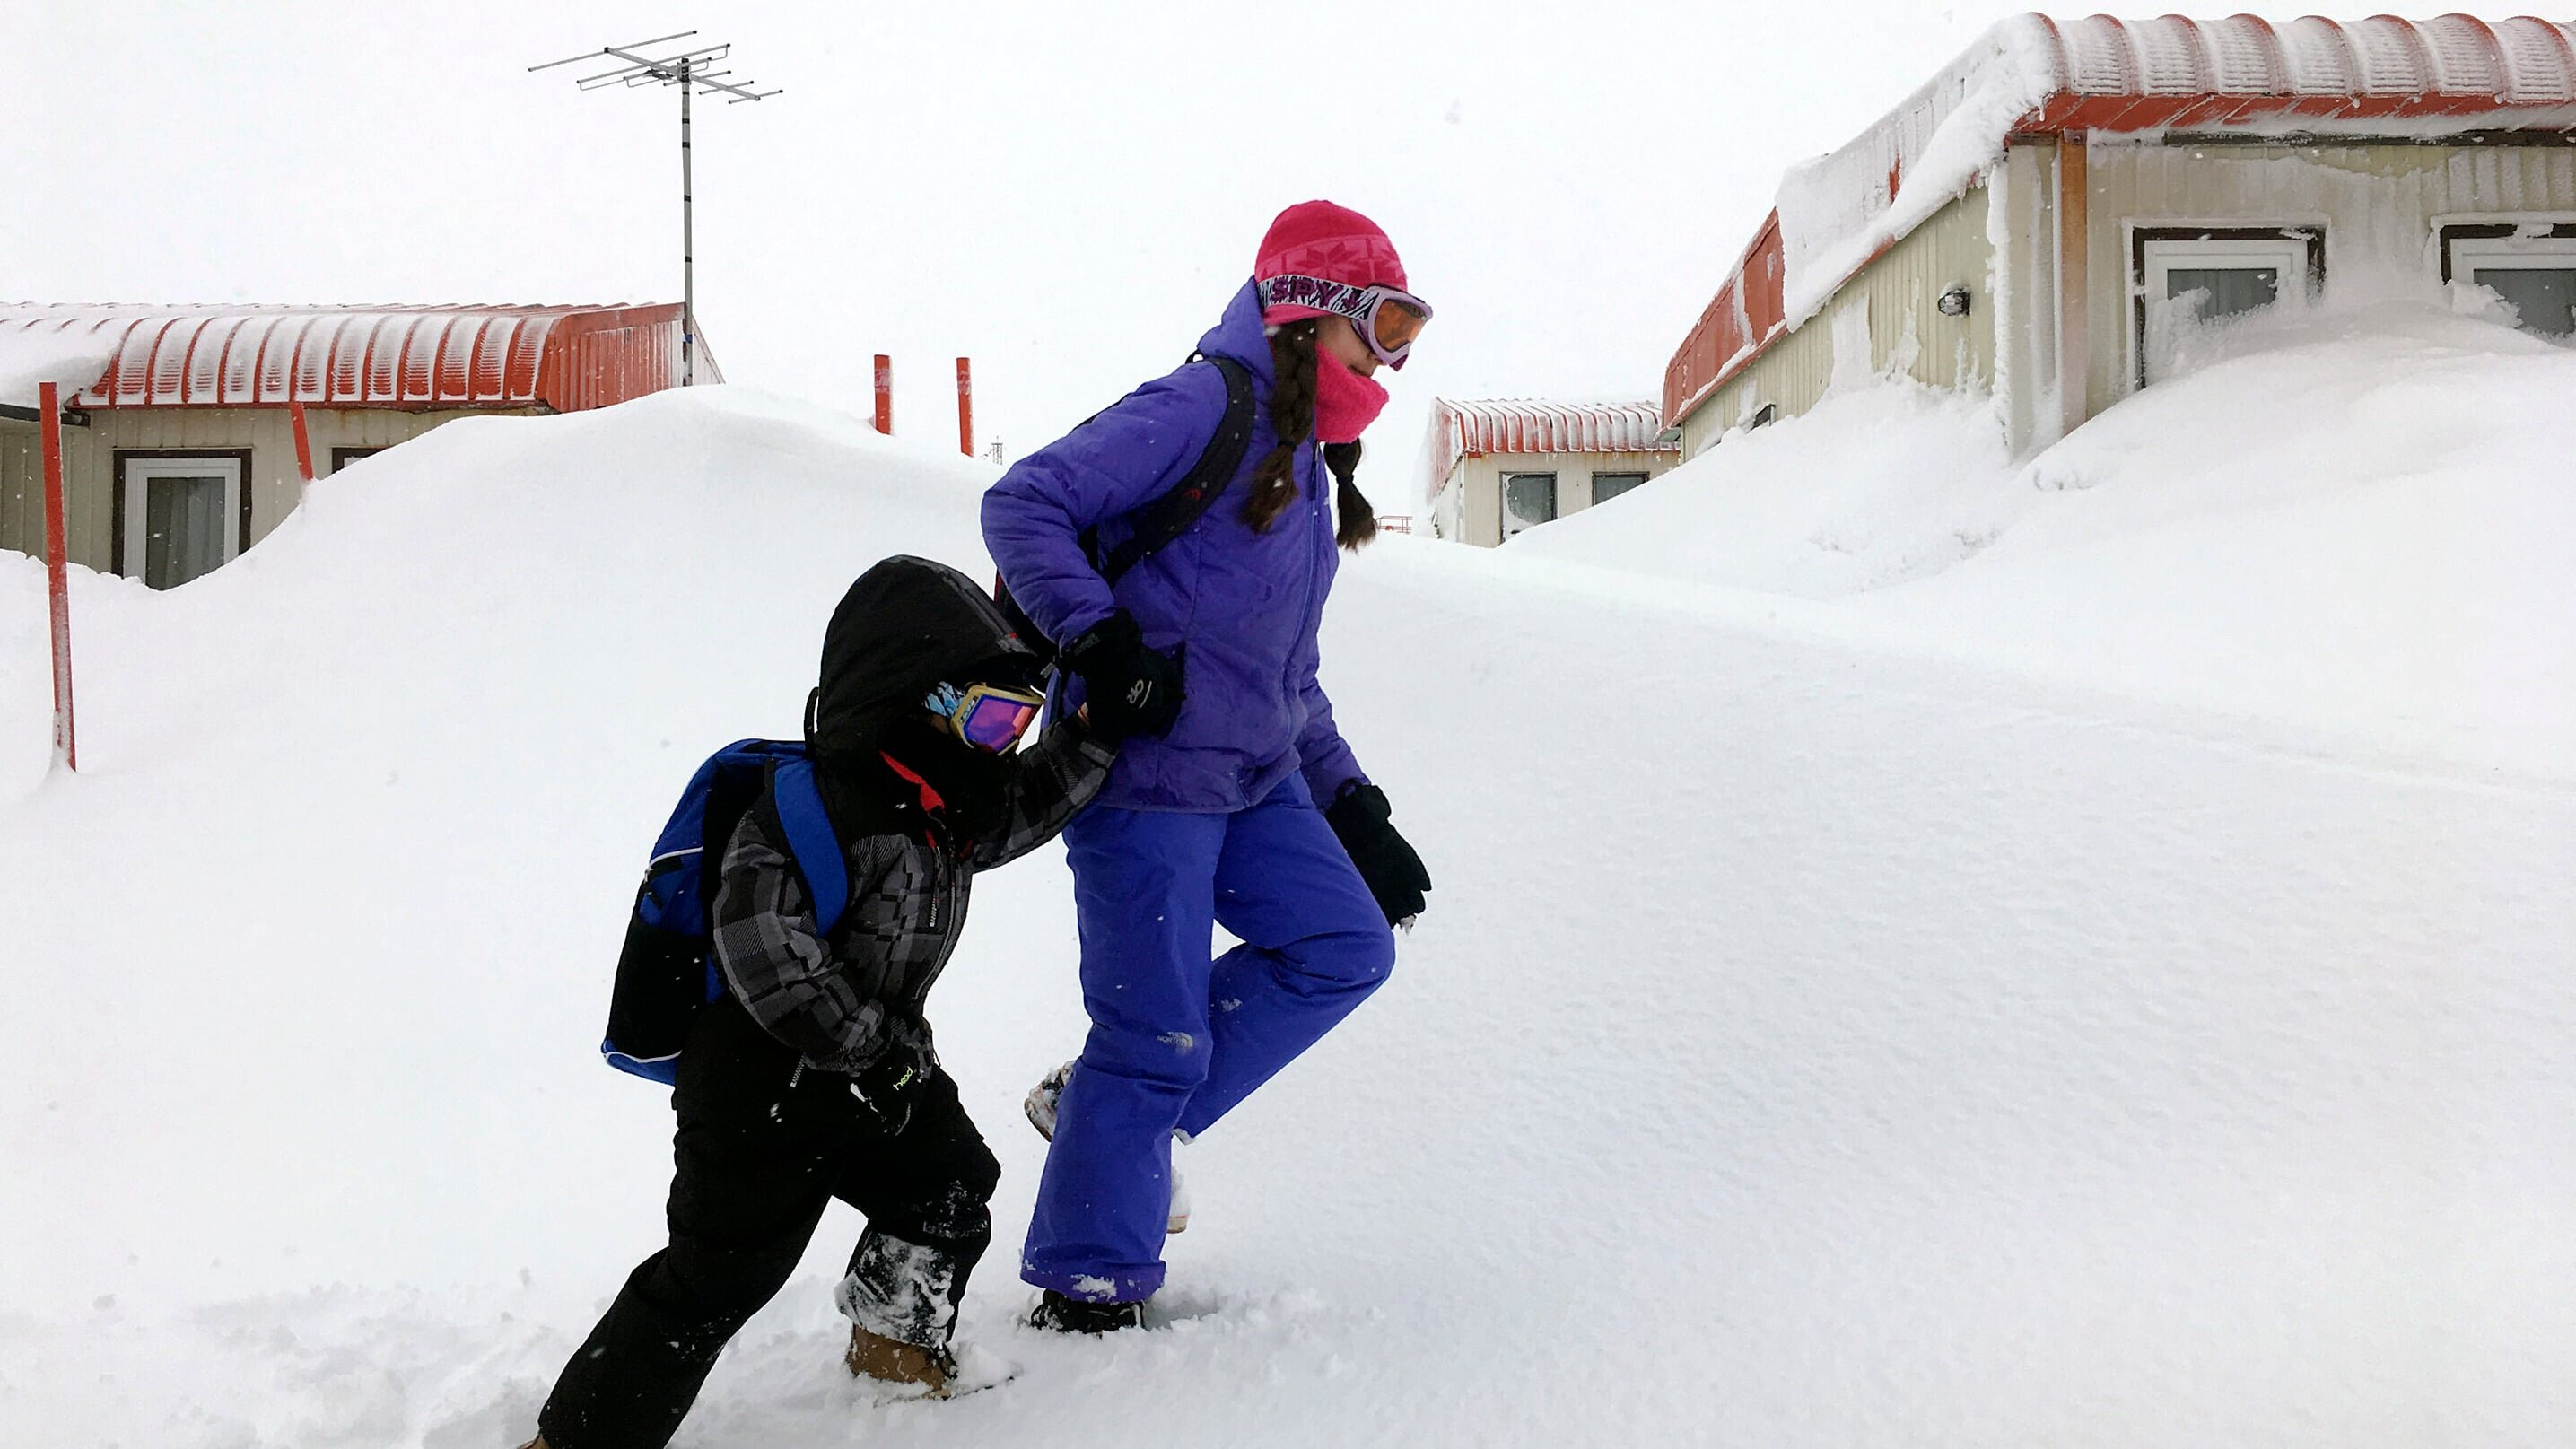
943,890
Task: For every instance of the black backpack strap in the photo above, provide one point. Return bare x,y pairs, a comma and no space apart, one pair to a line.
1170,516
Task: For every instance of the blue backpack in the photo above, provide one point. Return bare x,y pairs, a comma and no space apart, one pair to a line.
667,973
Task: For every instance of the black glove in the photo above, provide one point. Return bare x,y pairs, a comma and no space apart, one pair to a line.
894,1083
1393,872
1131,690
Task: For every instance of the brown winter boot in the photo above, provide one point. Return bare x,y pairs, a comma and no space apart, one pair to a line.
891,1361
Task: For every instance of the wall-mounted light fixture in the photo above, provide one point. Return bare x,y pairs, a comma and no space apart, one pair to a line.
1954,302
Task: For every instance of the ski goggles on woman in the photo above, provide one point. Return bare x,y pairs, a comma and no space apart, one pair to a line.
987,716
1386,318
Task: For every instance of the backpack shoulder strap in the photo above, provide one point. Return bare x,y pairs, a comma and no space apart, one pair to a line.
811,840
1170,516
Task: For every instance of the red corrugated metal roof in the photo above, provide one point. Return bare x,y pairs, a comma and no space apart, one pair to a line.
562,357
2134,75
2384,75
1526,425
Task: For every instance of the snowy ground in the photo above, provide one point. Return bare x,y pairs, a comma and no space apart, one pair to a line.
2357,522
1933,1047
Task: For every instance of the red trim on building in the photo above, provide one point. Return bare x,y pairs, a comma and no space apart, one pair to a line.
565,358
1520,425
2186,75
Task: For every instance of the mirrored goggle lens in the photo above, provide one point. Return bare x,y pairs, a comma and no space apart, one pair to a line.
1397,324
995,722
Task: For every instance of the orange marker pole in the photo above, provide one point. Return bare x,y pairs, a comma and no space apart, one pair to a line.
885,394
965,410
57,577
303,440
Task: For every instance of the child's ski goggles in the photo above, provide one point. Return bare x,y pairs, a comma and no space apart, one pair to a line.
1387,319
987,716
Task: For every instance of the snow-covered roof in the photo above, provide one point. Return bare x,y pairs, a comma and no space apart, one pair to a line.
1465,429
70,361
2031,75
563,357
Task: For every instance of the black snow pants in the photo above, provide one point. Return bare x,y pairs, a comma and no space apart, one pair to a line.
762,1146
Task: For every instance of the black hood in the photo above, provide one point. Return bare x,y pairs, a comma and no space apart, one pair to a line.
907,624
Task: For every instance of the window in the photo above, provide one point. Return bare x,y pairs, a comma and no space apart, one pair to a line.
1529,499
1763,417
2531,265
2184,278
1606,486
343,457
178,516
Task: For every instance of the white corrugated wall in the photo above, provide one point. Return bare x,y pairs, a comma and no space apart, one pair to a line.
2378,204
1478,485
1907,333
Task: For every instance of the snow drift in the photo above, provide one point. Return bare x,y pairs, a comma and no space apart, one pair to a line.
1871,488
2357,521
1908,1053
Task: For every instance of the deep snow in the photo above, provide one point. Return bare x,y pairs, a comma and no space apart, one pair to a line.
1909,1051
2357,521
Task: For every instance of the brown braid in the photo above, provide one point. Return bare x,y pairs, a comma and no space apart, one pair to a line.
1358,523
1292,418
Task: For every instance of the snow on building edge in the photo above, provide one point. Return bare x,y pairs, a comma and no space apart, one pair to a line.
1952,196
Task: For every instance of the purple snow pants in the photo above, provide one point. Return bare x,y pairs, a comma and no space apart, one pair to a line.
1177,1039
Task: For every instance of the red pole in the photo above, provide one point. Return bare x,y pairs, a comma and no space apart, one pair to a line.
57,578
303,440
965,411
885,393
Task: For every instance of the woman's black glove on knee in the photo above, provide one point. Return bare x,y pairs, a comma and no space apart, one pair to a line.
1129,690
1393,872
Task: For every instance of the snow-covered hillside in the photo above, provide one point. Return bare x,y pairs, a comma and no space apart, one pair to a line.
1906,1052
2358,521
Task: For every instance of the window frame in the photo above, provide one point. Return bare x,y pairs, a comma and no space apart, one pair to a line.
120,463
2221,239
1642,479
343,457
2559,242
1503,501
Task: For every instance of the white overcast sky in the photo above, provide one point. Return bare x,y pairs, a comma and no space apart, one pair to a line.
1067,193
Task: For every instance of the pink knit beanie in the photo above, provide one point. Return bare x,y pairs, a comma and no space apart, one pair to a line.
1332,243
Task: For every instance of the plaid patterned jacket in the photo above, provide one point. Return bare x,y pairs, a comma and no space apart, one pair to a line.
830,999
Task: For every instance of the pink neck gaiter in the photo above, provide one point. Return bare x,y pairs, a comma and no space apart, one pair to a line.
1345,402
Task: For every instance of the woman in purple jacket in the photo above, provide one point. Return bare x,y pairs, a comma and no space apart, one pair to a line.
1235,802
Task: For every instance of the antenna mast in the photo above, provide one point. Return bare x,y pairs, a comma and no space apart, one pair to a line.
692,69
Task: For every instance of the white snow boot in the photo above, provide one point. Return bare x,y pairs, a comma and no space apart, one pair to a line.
1177,1220
1041,1103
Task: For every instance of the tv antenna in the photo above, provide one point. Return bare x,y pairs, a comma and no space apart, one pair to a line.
693,69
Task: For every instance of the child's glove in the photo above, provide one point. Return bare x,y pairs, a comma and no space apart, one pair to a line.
890,1086
1129,690
1359,815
